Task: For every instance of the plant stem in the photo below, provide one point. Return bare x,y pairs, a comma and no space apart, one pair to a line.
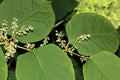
23,48
77,54
2,43
57,24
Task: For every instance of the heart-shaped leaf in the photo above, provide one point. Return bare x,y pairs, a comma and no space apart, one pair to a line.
45,63
37,13
102,66
3,66
91,33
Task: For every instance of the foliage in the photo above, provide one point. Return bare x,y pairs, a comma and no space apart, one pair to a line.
99,67
108,8
44,40
3,66
35,13
101,38
62,11
35,63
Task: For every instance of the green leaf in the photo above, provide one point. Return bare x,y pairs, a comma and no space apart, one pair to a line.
102,32
63,7
3,66
37,13
102,66
44,63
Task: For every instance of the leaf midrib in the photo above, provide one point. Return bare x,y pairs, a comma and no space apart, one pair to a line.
99,69
39,62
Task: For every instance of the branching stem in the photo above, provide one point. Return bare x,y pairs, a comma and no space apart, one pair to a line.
23,48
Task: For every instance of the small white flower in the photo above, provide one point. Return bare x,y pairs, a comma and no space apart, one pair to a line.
83,37
14,24
10,51
4,24
29,46
30,28
24,30
60,35
45,41
84,58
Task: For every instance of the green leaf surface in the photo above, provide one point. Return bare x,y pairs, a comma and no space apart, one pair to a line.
102,32
102,66
63,7
45,63
3,66
37,13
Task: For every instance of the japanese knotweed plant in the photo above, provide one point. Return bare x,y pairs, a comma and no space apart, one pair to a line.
108,8
10,43
35,47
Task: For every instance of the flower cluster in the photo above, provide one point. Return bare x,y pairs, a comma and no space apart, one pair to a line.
29,46
63,44
10,43
45,41
59,40
3,30
14,26
84,58
24,30
83,37
10,49
70,50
